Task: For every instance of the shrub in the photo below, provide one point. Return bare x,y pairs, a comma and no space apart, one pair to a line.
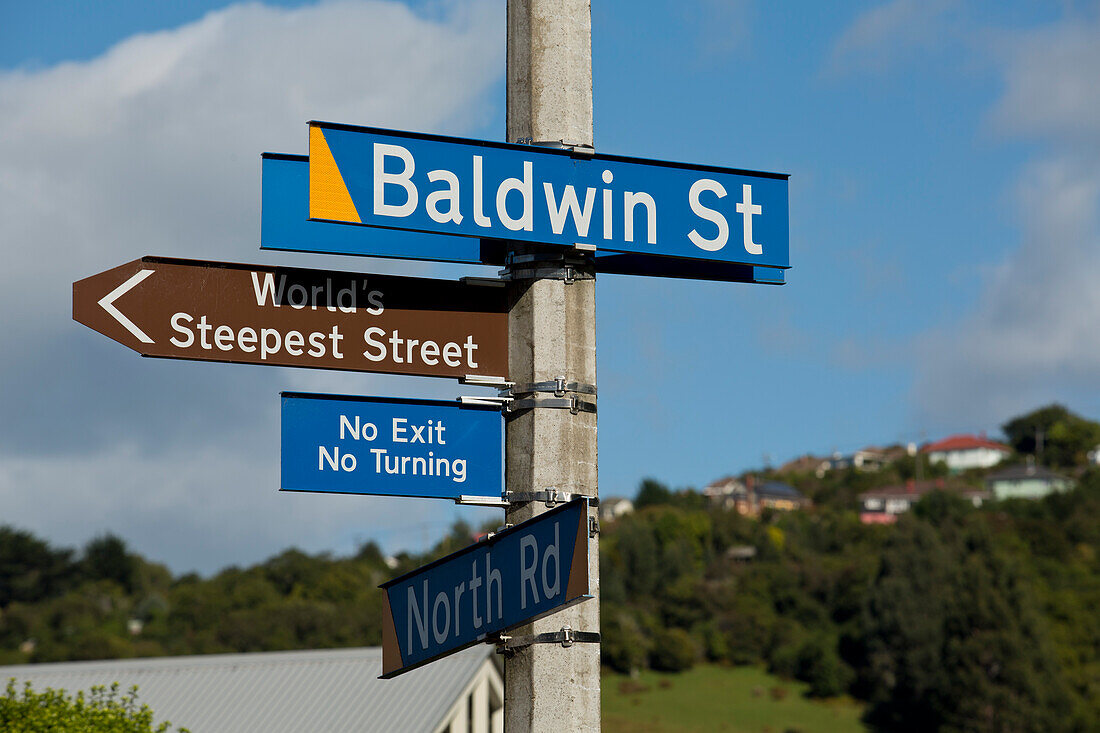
674,650
102,711
624,647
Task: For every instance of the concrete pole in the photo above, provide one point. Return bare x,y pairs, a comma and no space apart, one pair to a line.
552,332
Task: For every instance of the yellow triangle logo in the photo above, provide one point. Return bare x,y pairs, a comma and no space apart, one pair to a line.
328,195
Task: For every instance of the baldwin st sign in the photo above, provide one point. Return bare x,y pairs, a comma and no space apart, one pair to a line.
523,573
391,447
253,314
428,183
285,225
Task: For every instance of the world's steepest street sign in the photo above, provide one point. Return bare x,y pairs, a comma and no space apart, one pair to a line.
391,447
474,188
255,314
523,573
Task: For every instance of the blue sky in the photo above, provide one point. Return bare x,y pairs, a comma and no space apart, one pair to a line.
945,181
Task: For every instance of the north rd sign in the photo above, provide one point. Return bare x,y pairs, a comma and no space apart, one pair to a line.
523,573
285,225
428,183
391,447
253,314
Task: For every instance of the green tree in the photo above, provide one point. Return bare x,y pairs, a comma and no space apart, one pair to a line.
624,647
952,639
31,570
1066,437
674,650
106,558
651,492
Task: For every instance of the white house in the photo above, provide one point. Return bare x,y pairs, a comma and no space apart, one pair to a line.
962,452
615,507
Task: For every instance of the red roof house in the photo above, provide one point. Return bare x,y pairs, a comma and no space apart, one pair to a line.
961,452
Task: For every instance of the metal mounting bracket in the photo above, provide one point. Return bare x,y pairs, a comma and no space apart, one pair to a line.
567,637
482,281
498,530
488,400
479,381
578,148
493,501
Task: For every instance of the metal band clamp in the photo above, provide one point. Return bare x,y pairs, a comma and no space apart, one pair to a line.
571,403
548,266
558,386
567,637
550,496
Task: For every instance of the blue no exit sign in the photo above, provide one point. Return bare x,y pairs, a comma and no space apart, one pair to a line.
391,447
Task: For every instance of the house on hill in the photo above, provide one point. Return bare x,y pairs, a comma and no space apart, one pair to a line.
1026,482
725,491
615,507
864,460
750,497
963,452
285,692
882,506
779,496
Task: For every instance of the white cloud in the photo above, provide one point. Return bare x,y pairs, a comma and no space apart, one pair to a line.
888,32
153,148
1051,84
1032,338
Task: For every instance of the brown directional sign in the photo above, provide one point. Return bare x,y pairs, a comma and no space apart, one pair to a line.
254,314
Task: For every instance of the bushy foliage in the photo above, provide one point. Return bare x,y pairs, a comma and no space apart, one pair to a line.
1056,436
103,710
674,650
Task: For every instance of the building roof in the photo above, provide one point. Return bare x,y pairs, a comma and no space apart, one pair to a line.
329,690
1024,473
778,490
964,442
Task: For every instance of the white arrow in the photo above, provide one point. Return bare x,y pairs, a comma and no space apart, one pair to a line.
108,300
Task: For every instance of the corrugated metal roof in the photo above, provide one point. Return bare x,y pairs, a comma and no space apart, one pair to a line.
322,690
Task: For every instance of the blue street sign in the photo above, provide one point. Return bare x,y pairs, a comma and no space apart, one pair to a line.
284,225
429,183
521,574
391,447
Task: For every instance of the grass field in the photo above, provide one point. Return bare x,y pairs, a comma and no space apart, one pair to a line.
710,698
